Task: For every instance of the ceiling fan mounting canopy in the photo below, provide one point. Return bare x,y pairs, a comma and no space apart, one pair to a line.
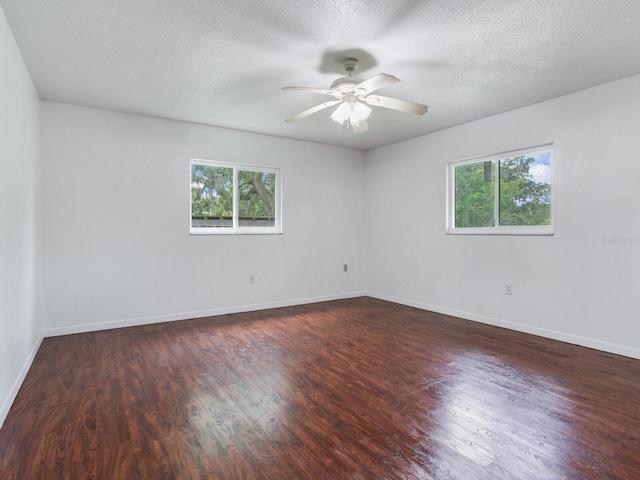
352,93
350,65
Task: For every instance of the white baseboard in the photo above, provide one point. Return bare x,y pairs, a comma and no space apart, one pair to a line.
13,393
133,322
541,332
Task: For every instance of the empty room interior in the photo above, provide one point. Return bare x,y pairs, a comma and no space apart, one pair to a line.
334,239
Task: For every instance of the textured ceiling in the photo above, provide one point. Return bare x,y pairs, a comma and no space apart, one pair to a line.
224,63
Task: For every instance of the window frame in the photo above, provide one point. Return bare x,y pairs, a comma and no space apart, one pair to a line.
498,229
236,229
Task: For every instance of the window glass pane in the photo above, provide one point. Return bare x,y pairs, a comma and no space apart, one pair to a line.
474,194
211,196
525,190
256,199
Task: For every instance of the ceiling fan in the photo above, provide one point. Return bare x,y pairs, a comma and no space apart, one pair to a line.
352,93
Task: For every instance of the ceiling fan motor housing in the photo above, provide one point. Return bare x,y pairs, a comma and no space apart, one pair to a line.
346,84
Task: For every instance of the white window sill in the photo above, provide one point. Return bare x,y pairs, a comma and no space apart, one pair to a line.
533,231
234,231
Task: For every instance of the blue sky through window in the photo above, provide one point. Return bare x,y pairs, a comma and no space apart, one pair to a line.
540,170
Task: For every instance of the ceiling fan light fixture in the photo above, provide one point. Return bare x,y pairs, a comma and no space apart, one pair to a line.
351,109
342,113
359,113
361,127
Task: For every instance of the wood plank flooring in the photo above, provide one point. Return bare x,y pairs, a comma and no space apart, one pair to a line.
350,389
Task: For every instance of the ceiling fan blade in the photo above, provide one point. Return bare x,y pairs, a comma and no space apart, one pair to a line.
395,104
325,91
311,110
361,127
374,83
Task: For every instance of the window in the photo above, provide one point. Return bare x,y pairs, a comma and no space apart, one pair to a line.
233,198
507,194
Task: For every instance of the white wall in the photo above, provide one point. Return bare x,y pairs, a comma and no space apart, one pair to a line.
571,286
20,332
117,249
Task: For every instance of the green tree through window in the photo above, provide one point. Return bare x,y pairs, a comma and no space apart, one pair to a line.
475,194
216,187
256,194
508,192
523,200
211,191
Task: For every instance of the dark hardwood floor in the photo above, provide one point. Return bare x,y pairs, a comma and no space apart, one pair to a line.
351,389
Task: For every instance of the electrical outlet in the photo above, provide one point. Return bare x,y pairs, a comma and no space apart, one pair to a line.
252,278
345,268
508,288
